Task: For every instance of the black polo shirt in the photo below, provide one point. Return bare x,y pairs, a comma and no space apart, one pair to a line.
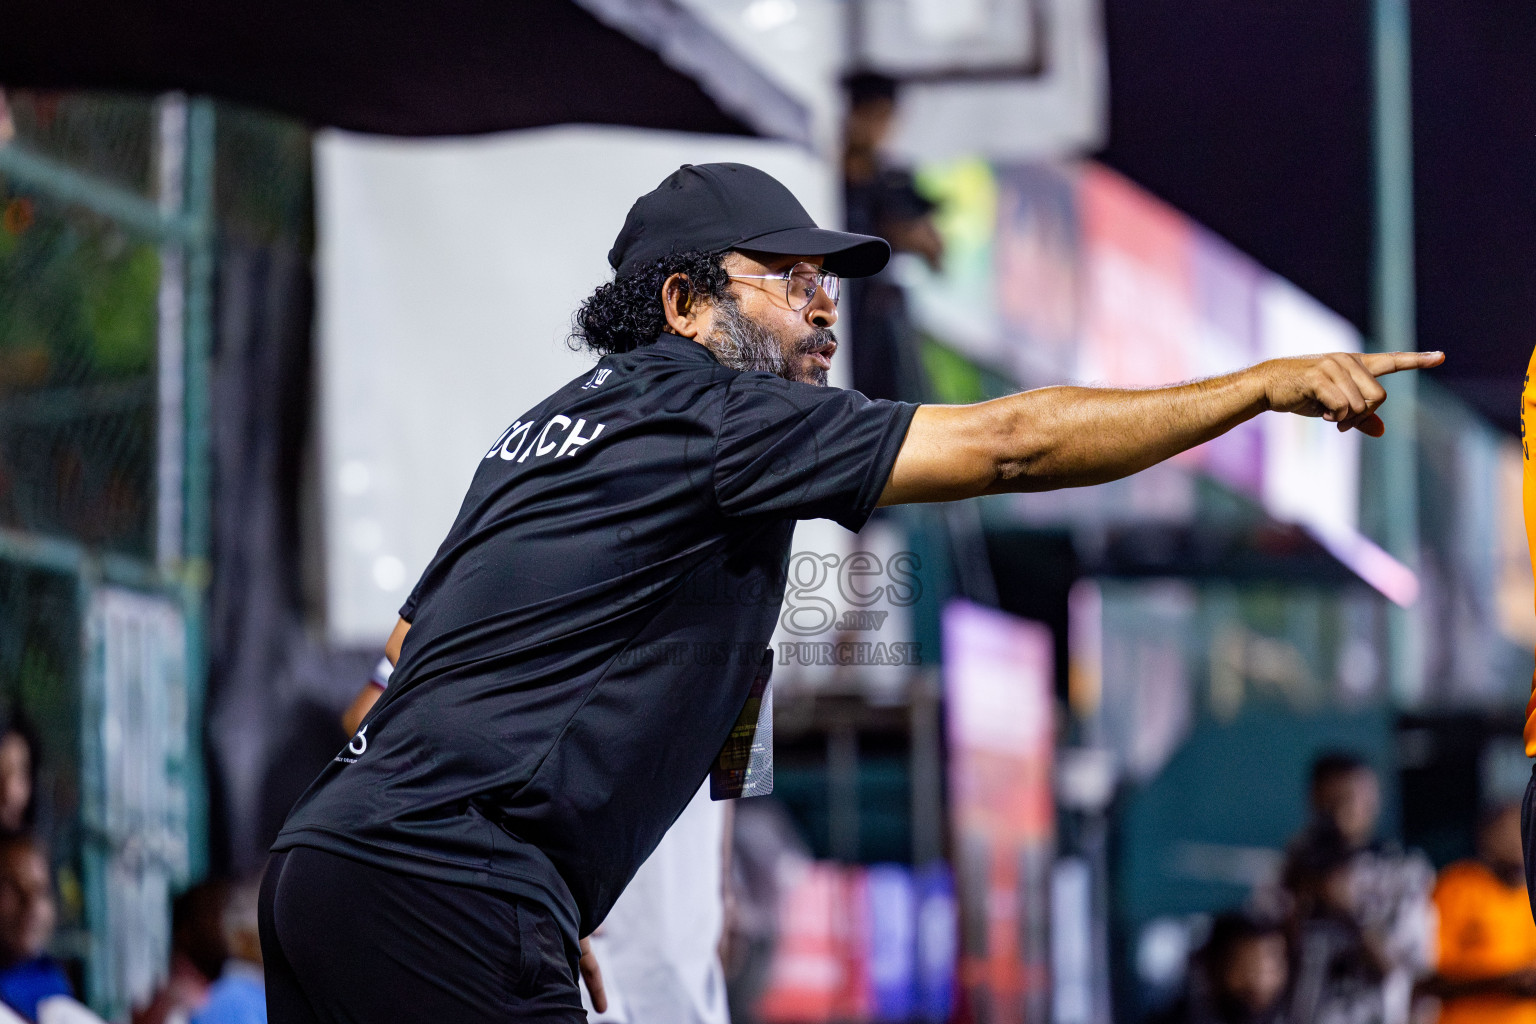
585,637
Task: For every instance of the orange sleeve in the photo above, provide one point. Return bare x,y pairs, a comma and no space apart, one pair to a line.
1528,498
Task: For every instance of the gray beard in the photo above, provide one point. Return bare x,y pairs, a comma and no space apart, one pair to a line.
741,343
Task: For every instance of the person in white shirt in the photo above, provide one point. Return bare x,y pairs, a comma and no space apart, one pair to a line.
660,945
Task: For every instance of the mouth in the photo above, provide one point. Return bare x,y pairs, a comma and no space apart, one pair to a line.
822,354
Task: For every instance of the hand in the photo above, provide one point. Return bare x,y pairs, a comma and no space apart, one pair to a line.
919,236
1340,387
593,976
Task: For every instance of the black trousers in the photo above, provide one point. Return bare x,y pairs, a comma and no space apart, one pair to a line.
348,943
1528,833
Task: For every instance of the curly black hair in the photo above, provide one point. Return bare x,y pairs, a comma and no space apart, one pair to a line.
626,313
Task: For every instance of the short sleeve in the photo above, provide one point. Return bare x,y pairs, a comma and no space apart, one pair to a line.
408,610
412,602
804,452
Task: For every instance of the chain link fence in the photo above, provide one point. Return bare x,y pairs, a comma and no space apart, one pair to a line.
113,213
105,310
111,138
77,375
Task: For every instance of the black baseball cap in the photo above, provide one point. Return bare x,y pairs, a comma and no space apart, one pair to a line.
711,207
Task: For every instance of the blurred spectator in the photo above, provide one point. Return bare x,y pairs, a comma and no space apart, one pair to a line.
1345,800
1337,869
659,947
1486,970
239,996
882,200
18,778
1341,971
27,917
871,111
198,952
1239,976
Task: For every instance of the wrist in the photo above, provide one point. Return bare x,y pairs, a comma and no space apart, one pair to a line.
1256,380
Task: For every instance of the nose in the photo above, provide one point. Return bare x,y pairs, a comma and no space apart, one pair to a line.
822,311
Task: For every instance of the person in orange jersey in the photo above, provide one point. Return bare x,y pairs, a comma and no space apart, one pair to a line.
1528,496
1528,499
1486,972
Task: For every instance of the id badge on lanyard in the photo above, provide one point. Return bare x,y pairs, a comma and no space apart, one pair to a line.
744,766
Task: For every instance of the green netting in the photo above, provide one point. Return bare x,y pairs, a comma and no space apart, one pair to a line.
80,298
110,137
78,320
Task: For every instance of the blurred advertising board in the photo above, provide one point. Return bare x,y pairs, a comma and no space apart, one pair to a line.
1226,328
1038,286
1063,273
815,974
873,943
136,764
1166,301
998,681
957,302
938,939
892,898
1139,315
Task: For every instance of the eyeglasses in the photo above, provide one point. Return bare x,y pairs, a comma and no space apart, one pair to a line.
800,283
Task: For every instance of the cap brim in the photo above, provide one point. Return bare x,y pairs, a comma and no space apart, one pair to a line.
847,254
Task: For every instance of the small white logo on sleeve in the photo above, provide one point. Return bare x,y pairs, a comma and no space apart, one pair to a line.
596,380
356,748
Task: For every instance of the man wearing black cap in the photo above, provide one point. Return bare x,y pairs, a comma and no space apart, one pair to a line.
573,659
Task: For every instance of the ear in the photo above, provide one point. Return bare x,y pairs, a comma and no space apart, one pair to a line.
680,306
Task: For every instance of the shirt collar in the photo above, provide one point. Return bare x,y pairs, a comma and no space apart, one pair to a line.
677,347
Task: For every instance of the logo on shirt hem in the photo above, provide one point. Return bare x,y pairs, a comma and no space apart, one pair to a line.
358,746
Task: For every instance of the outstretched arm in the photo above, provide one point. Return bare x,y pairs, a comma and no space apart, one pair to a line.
1073,436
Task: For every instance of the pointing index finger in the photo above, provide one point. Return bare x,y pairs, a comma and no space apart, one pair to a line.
1380,364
